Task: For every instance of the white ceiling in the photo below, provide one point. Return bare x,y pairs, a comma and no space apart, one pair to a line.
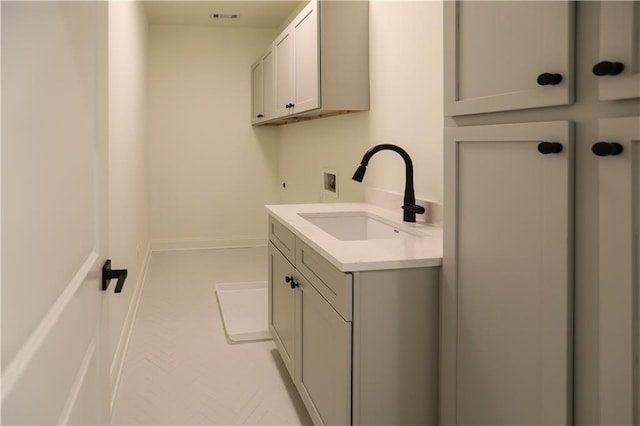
252,13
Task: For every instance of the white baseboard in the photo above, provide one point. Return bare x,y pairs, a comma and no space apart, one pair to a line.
125,335
204,243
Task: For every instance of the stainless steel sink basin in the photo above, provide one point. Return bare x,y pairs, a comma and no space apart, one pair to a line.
353,226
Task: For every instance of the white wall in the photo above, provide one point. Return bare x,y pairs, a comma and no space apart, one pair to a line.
406,110
211,171
128,167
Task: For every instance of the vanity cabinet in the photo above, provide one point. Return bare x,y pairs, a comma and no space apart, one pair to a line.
313,338
321,62
263,107
508,55
618,69
361,346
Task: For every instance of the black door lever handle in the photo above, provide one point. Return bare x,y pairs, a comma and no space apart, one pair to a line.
109,274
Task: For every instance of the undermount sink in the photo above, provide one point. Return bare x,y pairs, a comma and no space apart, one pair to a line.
353,226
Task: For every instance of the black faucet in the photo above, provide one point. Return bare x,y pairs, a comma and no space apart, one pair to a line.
410,207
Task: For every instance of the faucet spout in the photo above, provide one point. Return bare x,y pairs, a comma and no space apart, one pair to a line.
410,207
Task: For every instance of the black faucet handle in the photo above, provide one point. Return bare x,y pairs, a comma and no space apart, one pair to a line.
414,208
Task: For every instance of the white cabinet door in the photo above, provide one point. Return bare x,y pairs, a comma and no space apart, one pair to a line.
619,224
507,287
497,50
263,88
283,50
619,44
55,355
282,307
268,85
257,86
324,365
306,60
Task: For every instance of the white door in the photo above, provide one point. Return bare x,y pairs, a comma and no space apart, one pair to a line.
618,67
619,225
54,210
507,275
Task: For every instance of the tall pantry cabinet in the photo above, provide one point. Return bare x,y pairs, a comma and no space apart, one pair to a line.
542,157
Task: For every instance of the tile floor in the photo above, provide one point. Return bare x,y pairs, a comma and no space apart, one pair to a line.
181,369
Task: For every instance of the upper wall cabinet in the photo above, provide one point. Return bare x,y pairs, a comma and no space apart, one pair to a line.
619,64
321,63
502,56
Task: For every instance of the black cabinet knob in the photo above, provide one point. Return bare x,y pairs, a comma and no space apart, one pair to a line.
546,78
549,147
260,115
607,68
603,149
292,282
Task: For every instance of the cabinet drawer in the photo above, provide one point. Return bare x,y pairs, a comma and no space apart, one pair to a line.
335,286
283,239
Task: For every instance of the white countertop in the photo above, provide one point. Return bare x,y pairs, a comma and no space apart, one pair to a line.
363,255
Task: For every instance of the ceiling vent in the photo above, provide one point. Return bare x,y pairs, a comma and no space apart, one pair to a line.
224,16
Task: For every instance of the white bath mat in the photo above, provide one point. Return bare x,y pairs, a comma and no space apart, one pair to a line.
244,308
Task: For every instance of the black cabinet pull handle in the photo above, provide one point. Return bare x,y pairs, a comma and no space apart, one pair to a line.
289,106
292,281
607,68
549,147
604,149
546,78
260,115
109,274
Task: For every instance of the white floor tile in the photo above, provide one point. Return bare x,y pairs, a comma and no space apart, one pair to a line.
180,367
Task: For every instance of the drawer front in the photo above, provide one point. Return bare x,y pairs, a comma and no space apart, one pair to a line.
282,238
335,286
